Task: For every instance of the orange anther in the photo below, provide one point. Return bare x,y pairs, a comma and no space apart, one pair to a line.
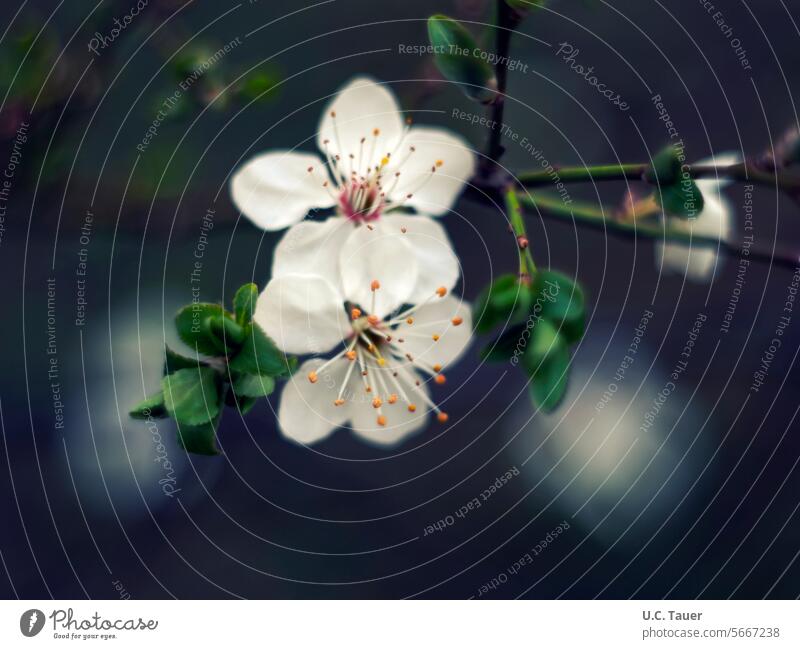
441,291
412,407
312,376
376,402
355,313
435,337
437,368
457,321
442,417
338,402
381,420
439,163
373,319
441,379
376,132
351,354
375,285
410,320
392,398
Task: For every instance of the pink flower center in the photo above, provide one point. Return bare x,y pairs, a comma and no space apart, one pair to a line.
361,201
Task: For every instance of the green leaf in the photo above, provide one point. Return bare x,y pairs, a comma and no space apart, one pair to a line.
504,301
192,322
504,347
665,170
259,85
241,403
544,340
455,55
174,361
259,355
152,406
547,361
200,439
560,300
191,396
253,385
244,303
684,200
228,333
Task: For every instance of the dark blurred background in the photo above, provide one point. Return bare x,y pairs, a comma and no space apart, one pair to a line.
702,503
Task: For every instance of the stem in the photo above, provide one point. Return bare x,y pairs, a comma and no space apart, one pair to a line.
589,215
743,172
507,20
527,267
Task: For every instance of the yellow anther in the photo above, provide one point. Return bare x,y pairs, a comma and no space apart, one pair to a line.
384,161
381,362
435,337
439,163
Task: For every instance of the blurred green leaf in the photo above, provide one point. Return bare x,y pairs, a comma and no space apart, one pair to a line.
560,300
684,200
504,301
551,374
455,55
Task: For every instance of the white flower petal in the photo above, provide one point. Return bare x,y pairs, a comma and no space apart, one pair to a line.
304,314
697,262
436,318
709,185
436,261
307,413
400,423
312,248
275,190
361,107
375,254
432,193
